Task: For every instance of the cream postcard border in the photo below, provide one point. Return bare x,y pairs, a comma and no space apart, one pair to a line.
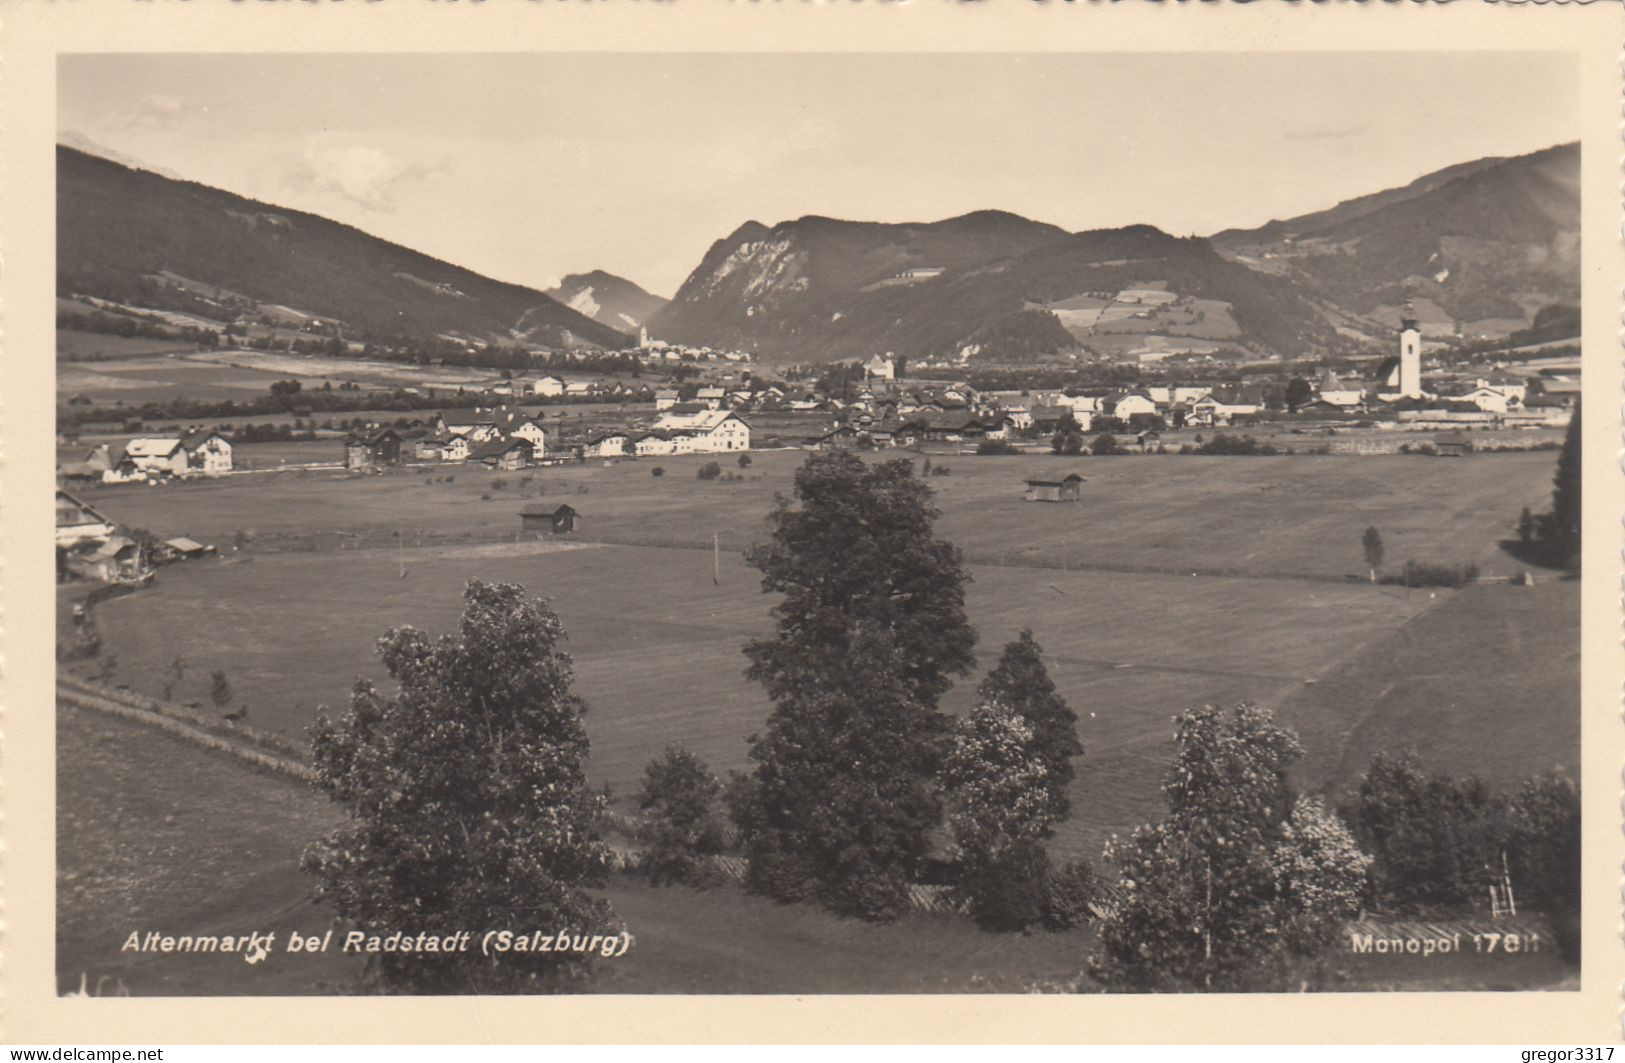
33,32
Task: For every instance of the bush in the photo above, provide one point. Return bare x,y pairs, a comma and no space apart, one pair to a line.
1427,574
681,799
498,483
940,470
997,446
709,471
1235,445
1105,443
1067,895
1007,891
657,471
485,496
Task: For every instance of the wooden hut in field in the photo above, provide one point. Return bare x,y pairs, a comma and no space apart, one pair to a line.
556,520
1453,445
1067,489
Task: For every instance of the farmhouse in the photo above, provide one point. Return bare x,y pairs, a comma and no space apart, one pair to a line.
372,450
558,520
517,424
157,456
1127,404
77,521
705,432
479,427
1066,489
506,455
114,560
837,438
547,387
208,453
605,445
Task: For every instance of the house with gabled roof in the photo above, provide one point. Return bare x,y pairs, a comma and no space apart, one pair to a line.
504,454
208,452
77,520
165,456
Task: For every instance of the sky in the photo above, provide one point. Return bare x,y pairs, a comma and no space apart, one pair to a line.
529,167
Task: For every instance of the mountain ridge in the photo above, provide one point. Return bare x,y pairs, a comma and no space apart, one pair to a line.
119,227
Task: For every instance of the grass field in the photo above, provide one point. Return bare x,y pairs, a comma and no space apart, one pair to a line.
155,834
1133,637
1280,516
1485,679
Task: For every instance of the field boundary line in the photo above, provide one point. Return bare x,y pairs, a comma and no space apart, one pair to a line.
84,699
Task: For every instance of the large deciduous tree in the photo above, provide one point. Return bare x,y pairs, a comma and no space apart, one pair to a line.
469,804
1020,681
1434,838
1003,810
870,628
1222,892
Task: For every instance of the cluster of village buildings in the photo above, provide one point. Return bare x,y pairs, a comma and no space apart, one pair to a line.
711,416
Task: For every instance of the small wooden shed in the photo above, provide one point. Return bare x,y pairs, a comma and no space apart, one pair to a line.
1067,489
1453,445
558,520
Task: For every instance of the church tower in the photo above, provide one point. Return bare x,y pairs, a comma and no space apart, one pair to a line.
1410,355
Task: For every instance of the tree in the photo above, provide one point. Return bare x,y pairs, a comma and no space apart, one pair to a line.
1202,892
219,689
1105,443
1371,543
1526,526
1433,838
1003,811
1068,438
680,797
1321,874
1021,681
1562,525
870,627
1543,854
744,461
468,801
175,675
1297,393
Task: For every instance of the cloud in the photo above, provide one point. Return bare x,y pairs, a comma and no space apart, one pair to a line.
155,111
359,174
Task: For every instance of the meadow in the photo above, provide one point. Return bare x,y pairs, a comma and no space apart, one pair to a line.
1206,594
1285,516
1485,679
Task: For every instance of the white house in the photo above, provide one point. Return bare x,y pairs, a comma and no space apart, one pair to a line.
881,367
654,444
161,456
577,389
705,432
547,387
1127,405
208,453
478,427
711,396
666,398
606,445
1491,400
